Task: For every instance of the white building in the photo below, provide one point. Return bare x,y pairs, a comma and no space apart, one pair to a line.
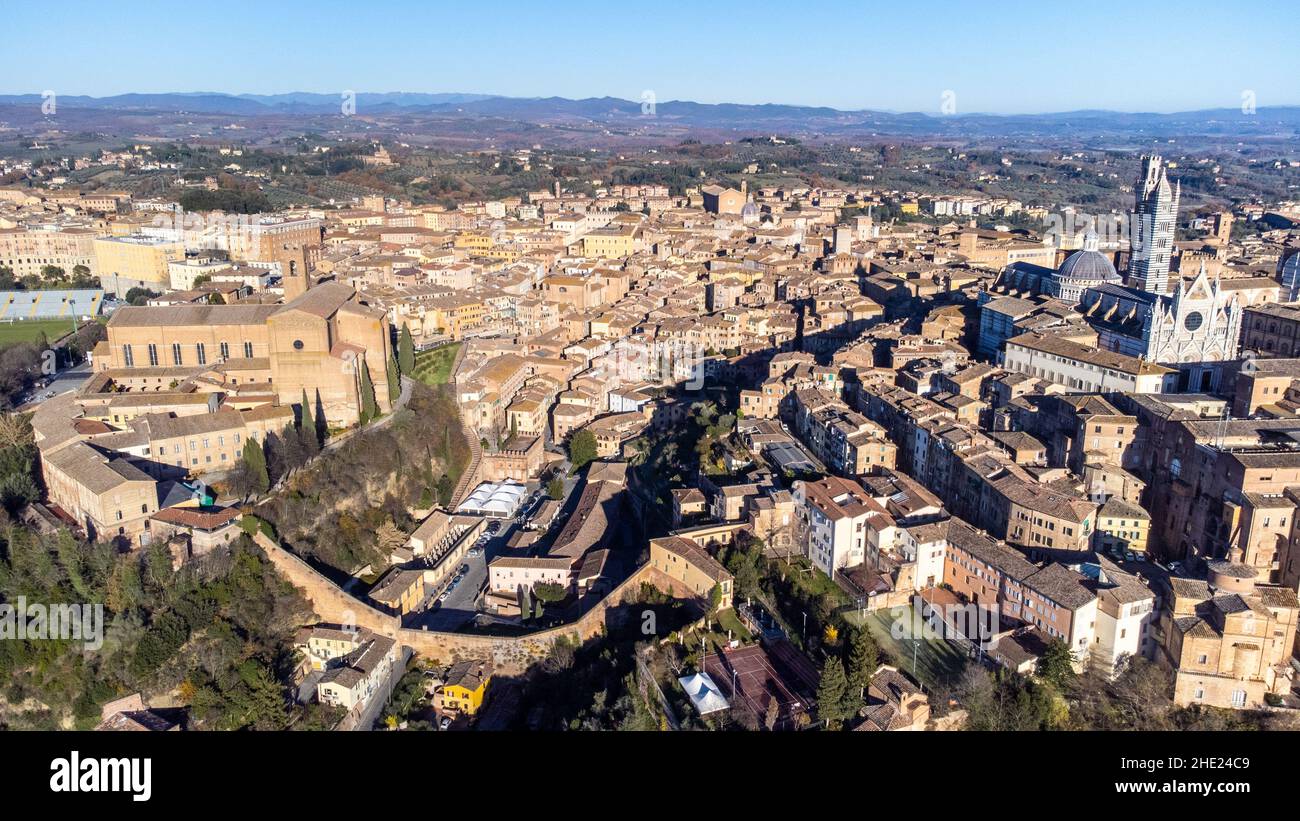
1081,369
839,524
1126,618
356,663
925,545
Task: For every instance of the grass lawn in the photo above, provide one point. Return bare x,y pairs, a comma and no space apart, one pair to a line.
434,367
938,661
715,638
728,620
28,330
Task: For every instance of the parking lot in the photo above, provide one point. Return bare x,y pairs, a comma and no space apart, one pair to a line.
454,602
63,382
461,602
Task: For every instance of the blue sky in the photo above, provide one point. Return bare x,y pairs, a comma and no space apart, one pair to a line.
1007,57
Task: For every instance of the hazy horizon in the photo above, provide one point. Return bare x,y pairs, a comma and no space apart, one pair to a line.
486,95
1020,59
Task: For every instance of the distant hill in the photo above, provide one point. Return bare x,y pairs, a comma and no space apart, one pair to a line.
787,119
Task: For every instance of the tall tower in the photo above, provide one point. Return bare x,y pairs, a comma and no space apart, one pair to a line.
1154,217
296,265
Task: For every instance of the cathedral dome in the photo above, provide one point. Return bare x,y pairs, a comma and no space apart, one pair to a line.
1089,265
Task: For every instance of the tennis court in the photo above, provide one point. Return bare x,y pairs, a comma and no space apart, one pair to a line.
760,675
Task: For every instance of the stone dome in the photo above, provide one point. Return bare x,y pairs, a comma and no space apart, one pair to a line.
1089,265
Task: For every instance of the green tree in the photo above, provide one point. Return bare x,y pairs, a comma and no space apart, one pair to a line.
406,351
307,432
864,658
140,296
255,460
830,694
582,450
1056,665
445,489
394,383
555,488
369,409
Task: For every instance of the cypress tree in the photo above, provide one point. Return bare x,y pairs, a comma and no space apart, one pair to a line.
256,461
830,693
322,424
369,410
406,351
394,381
864,658
307,431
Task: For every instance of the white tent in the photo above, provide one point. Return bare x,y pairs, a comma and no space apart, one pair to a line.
499,500
703,693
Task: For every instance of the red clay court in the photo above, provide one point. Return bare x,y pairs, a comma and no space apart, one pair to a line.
762,674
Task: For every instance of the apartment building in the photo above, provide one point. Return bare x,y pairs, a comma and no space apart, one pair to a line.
1271,330
844,440
208,441
26,251
839,524
1056,599
356,663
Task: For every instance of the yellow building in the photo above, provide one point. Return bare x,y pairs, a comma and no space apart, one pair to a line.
691,566
609,243
474,242
1122,527
1229,638
526,417
123,263
27,252
464,688
399,591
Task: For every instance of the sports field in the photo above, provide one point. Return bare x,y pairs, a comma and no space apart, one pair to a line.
29,330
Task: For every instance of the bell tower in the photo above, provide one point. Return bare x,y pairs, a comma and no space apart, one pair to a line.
295,269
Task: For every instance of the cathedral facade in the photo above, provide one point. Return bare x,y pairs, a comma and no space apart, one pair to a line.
1199,322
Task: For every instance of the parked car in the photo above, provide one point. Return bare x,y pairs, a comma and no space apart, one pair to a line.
464,568
475,552
445,723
